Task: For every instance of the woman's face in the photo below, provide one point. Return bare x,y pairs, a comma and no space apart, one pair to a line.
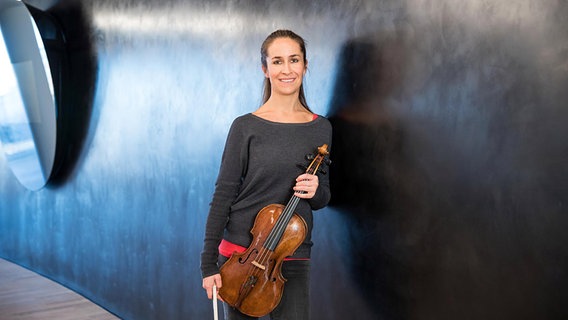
285,66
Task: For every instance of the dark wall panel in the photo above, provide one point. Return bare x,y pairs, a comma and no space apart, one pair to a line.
449,178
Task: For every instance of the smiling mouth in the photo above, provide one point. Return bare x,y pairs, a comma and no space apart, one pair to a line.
287,80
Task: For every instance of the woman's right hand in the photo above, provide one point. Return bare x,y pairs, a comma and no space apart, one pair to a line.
208,283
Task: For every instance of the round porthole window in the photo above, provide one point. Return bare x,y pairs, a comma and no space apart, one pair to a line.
27,102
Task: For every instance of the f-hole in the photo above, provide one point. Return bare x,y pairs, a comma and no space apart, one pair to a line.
252,253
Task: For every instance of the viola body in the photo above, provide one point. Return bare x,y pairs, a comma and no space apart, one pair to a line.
252,280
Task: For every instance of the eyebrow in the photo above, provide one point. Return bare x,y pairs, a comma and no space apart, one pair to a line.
291,56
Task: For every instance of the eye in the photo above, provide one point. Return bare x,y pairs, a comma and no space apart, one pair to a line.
276,62
295,60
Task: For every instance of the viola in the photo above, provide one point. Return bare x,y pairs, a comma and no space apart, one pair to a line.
252,280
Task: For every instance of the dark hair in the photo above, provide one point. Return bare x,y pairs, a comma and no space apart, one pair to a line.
267,88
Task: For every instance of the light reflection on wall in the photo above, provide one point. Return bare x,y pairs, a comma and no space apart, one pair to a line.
171,22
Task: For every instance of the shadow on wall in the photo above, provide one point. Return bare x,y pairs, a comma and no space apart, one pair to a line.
74,66
443,220
369,172
366,144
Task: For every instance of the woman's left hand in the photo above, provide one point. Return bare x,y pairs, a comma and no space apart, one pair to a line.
308,183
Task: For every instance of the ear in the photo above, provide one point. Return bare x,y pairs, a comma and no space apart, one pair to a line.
265,71
305,67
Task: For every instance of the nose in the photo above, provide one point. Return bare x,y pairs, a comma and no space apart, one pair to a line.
286,67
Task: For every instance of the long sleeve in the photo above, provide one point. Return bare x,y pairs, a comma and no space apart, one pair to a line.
233,165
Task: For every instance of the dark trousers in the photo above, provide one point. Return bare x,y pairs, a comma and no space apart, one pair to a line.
294,304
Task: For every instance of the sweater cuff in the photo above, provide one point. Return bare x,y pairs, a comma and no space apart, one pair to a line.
209,265
209,271
320,198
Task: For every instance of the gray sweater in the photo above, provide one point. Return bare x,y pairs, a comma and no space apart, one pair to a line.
259,167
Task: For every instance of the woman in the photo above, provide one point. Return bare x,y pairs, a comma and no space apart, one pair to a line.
258,168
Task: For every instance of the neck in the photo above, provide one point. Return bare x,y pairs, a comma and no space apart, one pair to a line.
284,108
285,104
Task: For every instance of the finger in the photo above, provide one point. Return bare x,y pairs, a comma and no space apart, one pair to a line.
304,176
305,183
218,282
307,187
305,194
311,182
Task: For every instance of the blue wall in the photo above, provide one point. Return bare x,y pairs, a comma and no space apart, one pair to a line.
449,179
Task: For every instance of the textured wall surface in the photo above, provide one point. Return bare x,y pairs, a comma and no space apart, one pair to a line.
449,178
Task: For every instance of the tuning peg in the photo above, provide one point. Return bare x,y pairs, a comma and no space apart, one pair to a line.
327,161
310,156
322,171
